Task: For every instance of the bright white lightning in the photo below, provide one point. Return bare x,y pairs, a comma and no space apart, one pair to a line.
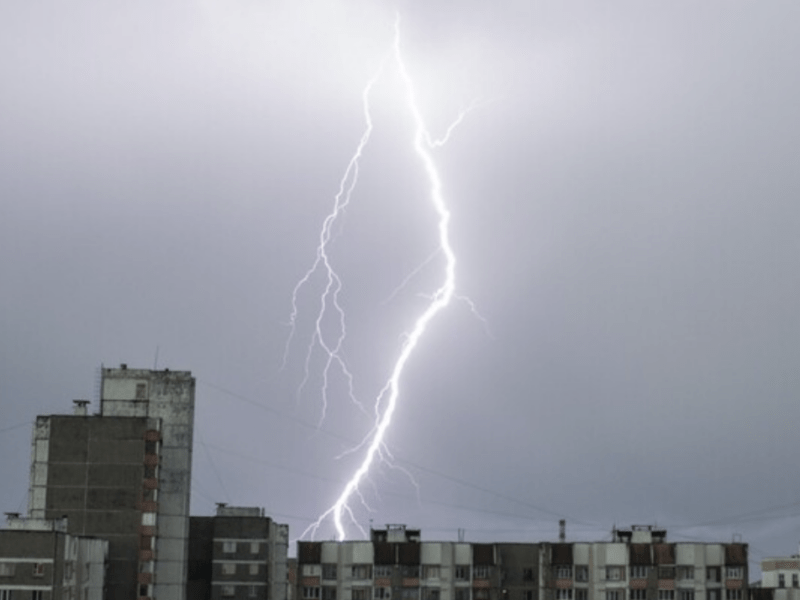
386,401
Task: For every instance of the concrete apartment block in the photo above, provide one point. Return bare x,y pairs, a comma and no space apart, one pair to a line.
638,564
39,560
238,553
124,474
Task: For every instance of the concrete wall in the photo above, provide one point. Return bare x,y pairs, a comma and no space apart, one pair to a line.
167,396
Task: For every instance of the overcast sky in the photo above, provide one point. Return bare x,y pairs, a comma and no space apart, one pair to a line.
625,210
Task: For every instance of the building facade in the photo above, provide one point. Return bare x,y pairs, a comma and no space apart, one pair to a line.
638,564
396,564
238,554
124,475
39,560
781,572
780,579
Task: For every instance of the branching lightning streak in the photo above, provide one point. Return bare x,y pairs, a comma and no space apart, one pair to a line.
333,283
386,401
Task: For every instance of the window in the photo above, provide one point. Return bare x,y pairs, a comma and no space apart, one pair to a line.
529,595
229,547
37,595
781,580
255,547
685,572
254,569
229,568
38,569
733,594
7,569
734,572
638,594
361,572
527,574
462,593
143,590
410,571
712,594
482,572
430,593
666,572
615,573
713,574
382,593
480,594
410,593
614,595
581,573
639,572
329,571
794,580
310,592
6,595
141,391
580,594
563,594
228,590
252,591
563,571
328,592
430,571
383,570
361,593
462,572
666,594
685,594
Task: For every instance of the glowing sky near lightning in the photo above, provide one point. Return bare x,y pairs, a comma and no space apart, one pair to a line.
624,213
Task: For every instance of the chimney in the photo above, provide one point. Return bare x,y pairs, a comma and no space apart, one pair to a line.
80,407
562,530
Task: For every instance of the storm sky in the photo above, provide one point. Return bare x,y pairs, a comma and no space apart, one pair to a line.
625,206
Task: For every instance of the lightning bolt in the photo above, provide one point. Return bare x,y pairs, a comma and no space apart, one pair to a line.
373,445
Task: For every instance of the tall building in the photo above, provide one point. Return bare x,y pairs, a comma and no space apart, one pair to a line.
39,560
638,564
237,554
124,474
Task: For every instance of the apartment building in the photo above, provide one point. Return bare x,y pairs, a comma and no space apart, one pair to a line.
39,560
780,579
638,564
396,564
124,475
237,554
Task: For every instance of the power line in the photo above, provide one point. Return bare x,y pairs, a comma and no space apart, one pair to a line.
399,459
